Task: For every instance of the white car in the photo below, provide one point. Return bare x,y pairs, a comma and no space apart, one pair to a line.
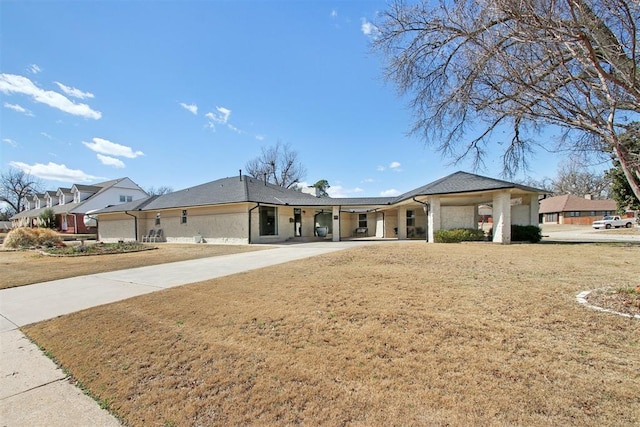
612,221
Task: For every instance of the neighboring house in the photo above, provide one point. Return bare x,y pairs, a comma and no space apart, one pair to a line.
571,209
242,209
5,226
71,204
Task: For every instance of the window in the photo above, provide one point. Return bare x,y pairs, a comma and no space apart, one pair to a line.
183,219
574,213
268,221
362,220
124,199
411,218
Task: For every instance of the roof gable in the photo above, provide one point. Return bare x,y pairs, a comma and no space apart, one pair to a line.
463,182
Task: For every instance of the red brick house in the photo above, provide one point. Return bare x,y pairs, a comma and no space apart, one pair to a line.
571,209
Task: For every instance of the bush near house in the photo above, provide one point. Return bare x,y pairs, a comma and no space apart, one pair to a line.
22,238
458,235
523,233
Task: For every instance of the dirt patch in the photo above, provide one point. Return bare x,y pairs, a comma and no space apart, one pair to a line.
406,334
19,268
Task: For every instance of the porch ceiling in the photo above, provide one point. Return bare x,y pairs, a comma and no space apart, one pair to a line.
471,199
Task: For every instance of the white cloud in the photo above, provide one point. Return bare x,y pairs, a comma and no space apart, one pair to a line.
46,135
334,13
18,108
10,141
73,92
193,108
260,137
55,172
12,83
368,29
103,146
395,166
390,193
110,161
235,129
221,116
380,168
34,69
340,191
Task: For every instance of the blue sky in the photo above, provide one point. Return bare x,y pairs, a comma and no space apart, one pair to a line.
178,93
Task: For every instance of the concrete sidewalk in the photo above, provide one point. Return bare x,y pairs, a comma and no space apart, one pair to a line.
34,392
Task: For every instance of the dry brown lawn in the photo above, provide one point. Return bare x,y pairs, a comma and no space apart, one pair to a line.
19,268
398,334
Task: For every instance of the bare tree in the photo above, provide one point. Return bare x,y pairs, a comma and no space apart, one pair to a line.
487,65
279,164
153,191
574,178
16,186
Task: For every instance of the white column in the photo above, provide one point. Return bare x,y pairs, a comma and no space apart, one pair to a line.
336,224
379,225
534,209
475,216
434,220
402,223
502,217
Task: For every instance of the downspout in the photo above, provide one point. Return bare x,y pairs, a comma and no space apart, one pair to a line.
135,224
250,210
426,213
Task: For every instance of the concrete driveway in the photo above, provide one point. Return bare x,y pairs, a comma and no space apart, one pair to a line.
587,234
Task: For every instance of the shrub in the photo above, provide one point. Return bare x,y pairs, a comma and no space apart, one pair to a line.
523,233
458,235
526,233
20,238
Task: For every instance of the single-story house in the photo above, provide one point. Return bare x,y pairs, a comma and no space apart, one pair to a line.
70,205
244,210
571,209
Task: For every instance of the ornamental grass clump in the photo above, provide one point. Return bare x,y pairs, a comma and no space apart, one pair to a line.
23,238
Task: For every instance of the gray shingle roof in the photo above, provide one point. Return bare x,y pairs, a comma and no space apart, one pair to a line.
462,182
252,190
135,205
231,190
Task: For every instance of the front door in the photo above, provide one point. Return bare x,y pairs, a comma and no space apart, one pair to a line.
297,222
